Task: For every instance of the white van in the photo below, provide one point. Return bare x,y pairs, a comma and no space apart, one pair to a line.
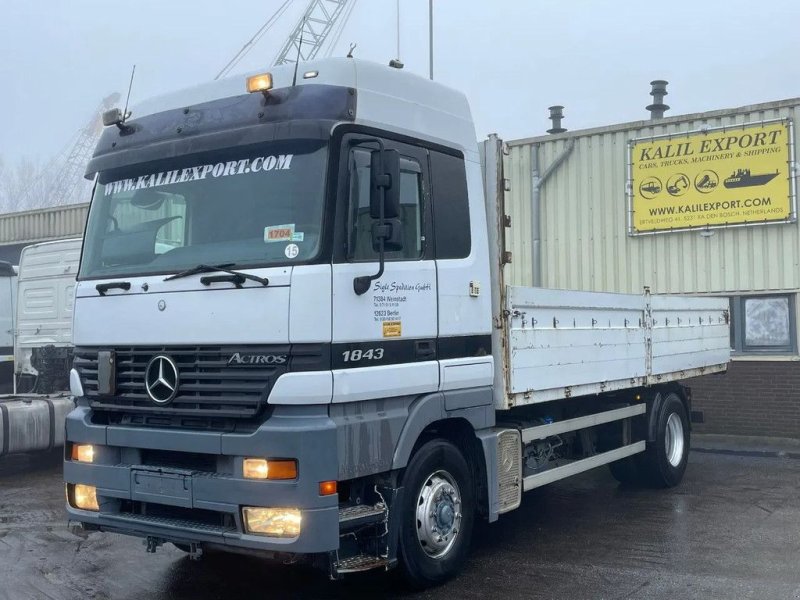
45,297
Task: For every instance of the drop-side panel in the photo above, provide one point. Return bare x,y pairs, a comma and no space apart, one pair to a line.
564,343
689,333
560,339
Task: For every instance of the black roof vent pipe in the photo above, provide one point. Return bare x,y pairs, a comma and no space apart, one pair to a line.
556,114
658,108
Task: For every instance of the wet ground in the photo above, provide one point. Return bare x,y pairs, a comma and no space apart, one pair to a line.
731,530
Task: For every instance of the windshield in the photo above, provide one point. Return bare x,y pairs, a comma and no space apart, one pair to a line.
253,208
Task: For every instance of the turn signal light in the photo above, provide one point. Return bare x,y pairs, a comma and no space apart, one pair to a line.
327,488
272,522
259,83
83,453
261,468
82,496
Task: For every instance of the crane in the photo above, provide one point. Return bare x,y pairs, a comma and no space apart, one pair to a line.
67,181
309,35
61,181
315,27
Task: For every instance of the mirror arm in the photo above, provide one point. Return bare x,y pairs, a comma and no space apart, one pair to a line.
362,284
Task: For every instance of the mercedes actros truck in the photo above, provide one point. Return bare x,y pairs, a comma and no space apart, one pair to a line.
294,337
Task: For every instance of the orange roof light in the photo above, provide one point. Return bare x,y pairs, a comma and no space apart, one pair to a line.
259,83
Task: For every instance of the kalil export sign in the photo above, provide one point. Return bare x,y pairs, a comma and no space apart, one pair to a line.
737,175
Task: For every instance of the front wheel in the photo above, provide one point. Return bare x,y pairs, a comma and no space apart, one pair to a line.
664,462
437,514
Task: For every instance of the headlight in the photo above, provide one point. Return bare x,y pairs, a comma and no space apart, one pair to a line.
261,468
83,453
274,522
82,496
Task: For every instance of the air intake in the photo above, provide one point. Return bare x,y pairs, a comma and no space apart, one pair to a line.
556,114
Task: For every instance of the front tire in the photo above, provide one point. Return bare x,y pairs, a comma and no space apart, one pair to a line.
438,513
663,464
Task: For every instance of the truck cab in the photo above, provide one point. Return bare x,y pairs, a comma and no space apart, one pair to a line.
216,315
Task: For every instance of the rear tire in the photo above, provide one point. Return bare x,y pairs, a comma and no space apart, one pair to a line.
438,513
663,464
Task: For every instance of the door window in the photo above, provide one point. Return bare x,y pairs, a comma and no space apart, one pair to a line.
359,220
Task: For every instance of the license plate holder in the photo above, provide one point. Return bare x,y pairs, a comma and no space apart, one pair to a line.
161,487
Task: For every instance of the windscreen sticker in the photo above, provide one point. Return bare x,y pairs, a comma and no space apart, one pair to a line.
298,236
279,233
280,162
291,251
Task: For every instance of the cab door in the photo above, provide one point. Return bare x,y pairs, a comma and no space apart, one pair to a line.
384,341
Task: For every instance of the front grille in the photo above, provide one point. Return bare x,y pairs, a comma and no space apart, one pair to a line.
190,461
208,386
194,519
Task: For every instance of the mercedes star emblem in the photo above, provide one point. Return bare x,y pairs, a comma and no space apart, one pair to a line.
161,379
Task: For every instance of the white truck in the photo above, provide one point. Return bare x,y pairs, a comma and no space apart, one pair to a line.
294,338
43,329
36,311
39,347
8,301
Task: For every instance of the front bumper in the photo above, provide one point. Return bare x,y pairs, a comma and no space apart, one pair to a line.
186,505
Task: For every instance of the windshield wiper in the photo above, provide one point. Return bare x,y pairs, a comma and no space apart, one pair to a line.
213,268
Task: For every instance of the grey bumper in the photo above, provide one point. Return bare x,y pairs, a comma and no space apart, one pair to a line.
303,433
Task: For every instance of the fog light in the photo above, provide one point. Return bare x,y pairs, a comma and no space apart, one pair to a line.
82,496
274,522
83,453
261,468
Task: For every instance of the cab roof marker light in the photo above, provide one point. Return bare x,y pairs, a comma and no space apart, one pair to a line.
310,74
259,83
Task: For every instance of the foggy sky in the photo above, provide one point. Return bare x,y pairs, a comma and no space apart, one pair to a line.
513,58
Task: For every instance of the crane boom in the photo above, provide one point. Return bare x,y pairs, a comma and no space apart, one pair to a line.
70,175
311,31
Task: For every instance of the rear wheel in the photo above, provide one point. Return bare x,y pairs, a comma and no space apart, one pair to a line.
437,514
663,464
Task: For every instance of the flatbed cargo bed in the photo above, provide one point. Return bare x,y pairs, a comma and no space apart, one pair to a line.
562,343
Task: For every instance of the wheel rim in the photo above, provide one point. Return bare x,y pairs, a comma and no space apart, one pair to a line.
438,514
674,440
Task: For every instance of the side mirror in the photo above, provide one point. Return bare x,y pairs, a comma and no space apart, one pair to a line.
384,173
391,232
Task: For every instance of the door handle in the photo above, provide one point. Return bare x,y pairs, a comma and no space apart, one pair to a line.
425,349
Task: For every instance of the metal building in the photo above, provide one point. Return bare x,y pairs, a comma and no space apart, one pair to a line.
21,229
582,206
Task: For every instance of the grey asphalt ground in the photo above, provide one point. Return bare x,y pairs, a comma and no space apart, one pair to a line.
731,530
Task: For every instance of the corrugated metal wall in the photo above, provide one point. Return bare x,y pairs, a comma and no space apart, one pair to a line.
44,224
585,242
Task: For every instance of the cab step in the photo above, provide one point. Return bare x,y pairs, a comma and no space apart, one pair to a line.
360,563
353,517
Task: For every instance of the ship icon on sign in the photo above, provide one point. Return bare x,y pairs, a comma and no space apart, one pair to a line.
744,178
